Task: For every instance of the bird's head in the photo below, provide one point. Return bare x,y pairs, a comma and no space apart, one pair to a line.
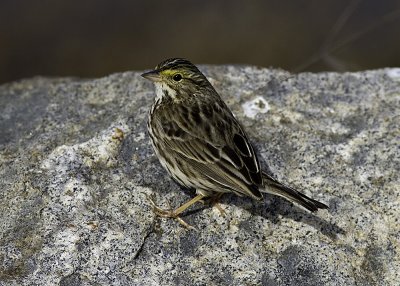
177,77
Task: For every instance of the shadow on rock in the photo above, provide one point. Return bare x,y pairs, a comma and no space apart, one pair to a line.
275,210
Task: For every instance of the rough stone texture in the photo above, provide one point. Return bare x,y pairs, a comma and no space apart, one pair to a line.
76,167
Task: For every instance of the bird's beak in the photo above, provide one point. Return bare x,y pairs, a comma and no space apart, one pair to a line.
152,75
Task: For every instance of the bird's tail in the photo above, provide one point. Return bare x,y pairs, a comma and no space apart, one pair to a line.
276,188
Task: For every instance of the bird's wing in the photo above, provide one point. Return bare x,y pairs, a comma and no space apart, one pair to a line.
211,140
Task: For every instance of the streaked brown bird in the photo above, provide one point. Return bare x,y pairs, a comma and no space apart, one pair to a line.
201,144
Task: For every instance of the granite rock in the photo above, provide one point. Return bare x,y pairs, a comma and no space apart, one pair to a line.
76,171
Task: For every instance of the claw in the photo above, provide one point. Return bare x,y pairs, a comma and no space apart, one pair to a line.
219,207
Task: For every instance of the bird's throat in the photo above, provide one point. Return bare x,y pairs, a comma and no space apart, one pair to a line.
164,92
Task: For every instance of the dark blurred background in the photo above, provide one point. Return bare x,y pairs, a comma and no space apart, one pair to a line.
97,37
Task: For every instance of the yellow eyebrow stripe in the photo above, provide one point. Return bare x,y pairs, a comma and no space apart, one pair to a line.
168,72
171,72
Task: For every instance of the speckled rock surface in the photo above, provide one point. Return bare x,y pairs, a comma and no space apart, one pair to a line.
76,167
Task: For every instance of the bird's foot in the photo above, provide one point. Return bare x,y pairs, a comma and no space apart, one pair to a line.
169,213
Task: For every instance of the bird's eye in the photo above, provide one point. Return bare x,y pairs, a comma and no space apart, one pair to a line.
177,77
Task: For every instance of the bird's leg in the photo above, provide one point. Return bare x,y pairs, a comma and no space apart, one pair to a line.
175,213
215,203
